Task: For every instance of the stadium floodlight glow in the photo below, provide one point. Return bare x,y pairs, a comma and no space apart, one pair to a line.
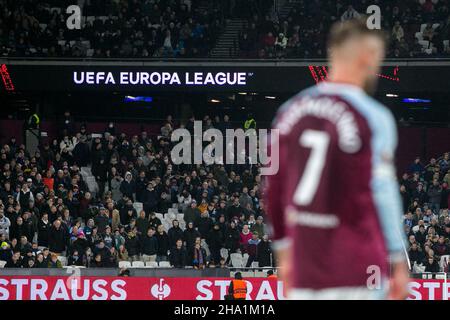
242,93
214,101
416,100
392,95
270,97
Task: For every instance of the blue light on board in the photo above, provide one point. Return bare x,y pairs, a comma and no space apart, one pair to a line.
128,99
416,100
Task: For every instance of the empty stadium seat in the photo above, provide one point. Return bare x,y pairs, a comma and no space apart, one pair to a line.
244,259
151,264
164,264
236,260
224,253
138,206
255,264
160,216
2,263
419,36
124,264
138,264
442,261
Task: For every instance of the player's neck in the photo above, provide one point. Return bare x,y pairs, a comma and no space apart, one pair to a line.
346,77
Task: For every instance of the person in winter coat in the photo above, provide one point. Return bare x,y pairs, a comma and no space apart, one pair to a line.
150,198
57,238
132,244
232,238
142,223
149,246
431,265
43,230
204,224
264,252
5,223
175,233
128,186
189,235
215,242
24,196
178,255
163,244
114,185
192,213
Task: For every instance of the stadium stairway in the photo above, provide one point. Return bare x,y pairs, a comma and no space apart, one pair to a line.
227,44
86,173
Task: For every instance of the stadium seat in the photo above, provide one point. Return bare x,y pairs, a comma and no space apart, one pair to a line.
244,259
103,18
138,206
415,228
43,26
89,52
124,264
446,43
138,264
90,19
63,260
424,43
419,36
224,253
86,43
255,264
442,261
422,27
236,260
2,263
160,216
151,264
180,216
171,215
164,264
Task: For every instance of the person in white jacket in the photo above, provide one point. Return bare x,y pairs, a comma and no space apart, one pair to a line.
5,223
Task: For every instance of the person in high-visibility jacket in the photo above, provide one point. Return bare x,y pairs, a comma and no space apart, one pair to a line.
238,287
250,123
33,121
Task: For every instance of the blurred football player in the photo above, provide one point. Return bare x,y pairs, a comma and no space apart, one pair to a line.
334,204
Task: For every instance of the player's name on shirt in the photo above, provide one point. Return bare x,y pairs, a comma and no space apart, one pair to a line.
335,111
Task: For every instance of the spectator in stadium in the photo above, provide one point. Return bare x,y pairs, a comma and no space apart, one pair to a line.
431,265
178,255
149,245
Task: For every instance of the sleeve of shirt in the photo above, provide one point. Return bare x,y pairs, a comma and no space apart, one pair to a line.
385,189
274,188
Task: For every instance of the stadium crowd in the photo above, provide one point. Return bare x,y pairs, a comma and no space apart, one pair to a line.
416,28
190,28
118,29
426,196
142,207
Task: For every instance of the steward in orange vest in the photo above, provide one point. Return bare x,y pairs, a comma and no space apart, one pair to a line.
238,287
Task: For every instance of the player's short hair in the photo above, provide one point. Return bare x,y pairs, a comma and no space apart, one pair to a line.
341,32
